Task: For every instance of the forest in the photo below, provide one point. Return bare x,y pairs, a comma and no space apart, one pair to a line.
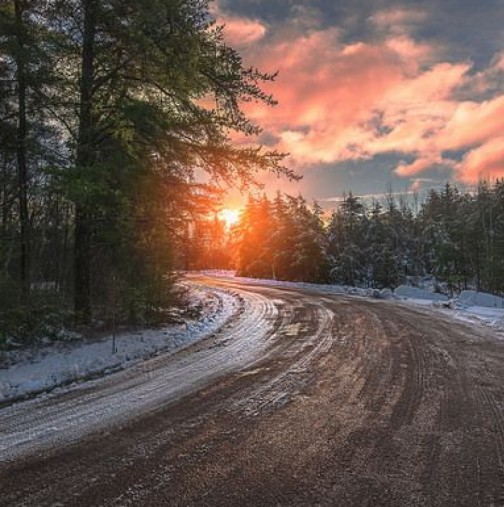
454,238
115,127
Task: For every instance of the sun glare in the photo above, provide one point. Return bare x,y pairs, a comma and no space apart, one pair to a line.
229,216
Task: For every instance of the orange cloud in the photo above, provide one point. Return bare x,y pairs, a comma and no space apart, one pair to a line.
473,123
239,31
484,162
342,101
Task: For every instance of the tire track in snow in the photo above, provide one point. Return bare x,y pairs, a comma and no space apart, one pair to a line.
142,389
391,411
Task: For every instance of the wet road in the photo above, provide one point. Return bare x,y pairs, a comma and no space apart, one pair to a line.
303,399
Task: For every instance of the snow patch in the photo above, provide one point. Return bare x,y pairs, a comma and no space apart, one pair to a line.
314,287
30,372
469,298
406,292
490,317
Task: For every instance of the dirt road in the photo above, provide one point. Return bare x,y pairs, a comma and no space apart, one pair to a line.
303,399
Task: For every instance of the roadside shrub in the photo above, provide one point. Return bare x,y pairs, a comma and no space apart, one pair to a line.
257,269
44,317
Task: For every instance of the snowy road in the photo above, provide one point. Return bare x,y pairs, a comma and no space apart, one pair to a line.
302,399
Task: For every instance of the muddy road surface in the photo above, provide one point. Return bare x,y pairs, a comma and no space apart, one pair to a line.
302,399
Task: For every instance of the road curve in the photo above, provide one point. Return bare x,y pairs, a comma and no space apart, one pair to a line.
303,399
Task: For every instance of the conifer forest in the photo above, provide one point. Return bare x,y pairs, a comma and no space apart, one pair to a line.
455,238
108,111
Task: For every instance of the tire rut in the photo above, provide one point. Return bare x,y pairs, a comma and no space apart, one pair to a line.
348,402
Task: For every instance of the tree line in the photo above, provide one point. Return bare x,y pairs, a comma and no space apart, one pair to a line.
111,110
108,111
454,237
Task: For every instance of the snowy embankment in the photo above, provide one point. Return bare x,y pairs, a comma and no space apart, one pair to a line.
487,309
29,372
315,287
469,306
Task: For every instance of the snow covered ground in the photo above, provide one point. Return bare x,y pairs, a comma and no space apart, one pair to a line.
35,371
479,307
406,292
470,306
323,288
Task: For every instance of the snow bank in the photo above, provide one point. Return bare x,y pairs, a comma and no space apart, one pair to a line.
490,317
472,298
403,291
37,371
315,287
471,306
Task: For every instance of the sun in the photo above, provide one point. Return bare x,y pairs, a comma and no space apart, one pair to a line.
229,216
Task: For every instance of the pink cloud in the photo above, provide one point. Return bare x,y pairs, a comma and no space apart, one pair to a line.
498,62
325,91
470,125
415,111
415,186
473,123
330,95
487,80
421,164
398,20
240,31
417,166
483,162
410,50
353,101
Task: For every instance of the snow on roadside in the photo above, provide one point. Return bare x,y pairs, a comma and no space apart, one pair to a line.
491,317
406,292
479,307
482,299
31,372
315,287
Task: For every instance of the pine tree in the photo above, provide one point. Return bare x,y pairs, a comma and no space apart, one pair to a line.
27,64
147,70
346,242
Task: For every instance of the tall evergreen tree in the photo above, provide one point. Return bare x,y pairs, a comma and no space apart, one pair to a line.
27,64
147,72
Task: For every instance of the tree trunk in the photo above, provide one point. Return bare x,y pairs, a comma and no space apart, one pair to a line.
21,152
85,158
5,209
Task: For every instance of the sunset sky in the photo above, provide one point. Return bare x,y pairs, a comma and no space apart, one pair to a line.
377,94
